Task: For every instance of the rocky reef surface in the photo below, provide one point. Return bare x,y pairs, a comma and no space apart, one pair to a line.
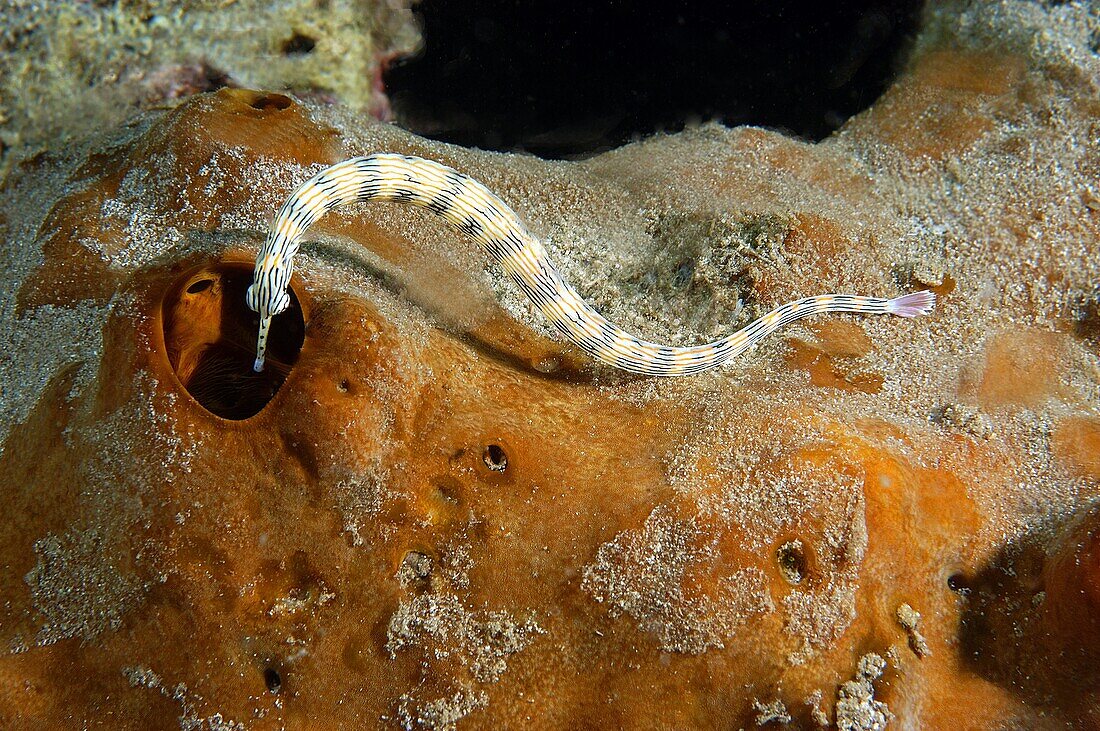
70,67
432,513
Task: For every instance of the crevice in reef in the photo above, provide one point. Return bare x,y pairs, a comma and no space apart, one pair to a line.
210,340
508,75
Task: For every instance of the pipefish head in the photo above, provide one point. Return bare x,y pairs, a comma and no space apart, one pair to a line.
261,343
267,302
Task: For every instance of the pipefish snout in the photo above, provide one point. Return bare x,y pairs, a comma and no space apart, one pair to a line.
477,212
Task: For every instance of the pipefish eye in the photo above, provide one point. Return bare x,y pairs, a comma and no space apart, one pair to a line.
250,298
282,301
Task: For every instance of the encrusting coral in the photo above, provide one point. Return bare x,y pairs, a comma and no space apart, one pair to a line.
429,512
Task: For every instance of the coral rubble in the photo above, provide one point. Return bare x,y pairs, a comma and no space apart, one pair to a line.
432,513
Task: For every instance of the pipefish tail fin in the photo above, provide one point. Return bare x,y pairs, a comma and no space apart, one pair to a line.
912,305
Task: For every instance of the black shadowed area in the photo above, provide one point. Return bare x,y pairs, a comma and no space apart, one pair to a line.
564,81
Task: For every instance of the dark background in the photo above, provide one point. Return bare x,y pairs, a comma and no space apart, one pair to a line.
564,80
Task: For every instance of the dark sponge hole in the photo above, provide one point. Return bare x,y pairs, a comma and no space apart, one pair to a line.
792,561
495,458
567,80
200,285
210,339
272,680
270,102
959,584
298,45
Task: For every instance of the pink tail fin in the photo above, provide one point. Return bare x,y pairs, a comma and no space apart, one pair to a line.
912,305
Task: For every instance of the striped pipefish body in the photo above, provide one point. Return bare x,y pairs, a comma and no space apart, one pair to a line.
475,211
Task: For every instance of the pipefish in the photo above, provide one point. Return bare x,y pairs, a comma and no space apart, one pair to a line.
476,211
